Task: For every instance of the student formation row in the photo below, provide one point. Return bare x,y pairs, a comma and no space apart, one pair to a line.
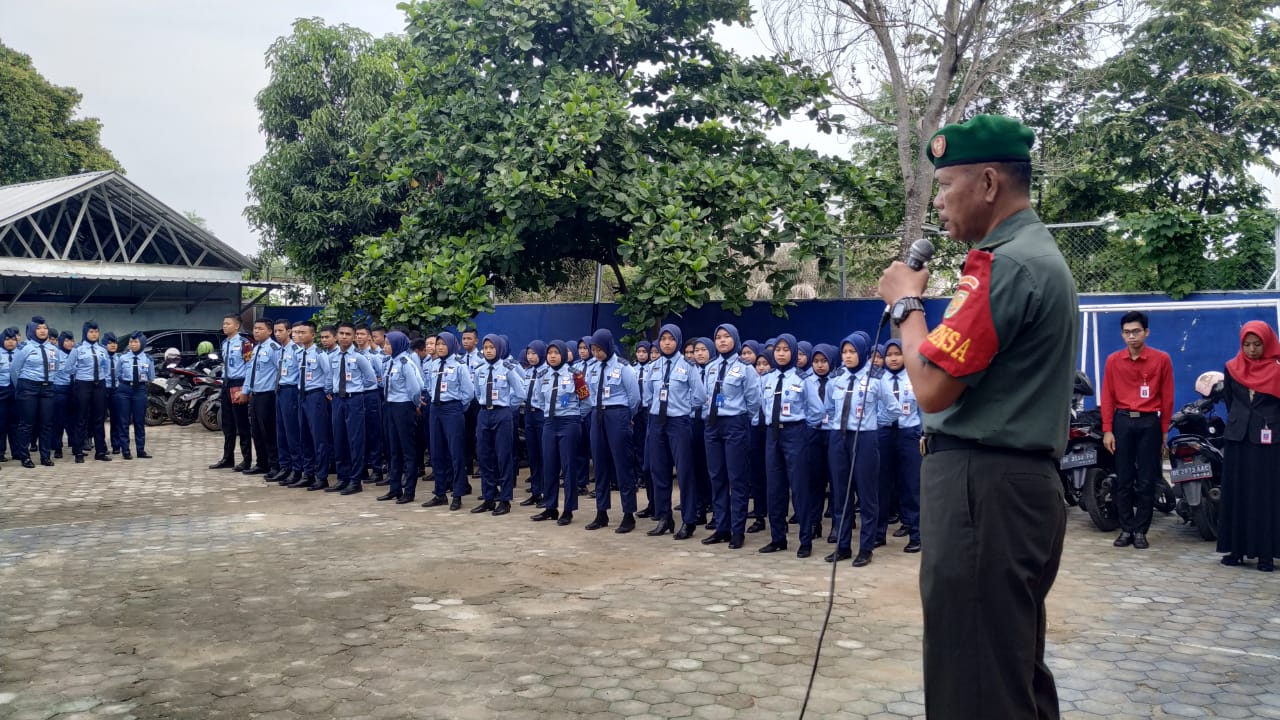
51,385
777,433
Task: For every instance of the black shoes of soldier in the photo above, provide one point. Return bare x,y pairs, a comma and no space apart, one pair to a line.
665,525
548,514
125,454
220,465
502,508
337,488
647,512
773,547
736,542
46,463
565,518
531,501
404,500
389,496
436,501
686,531
863,559
79,459
912,547
1125,539
247,471
456,504
28,464
805,551
318,485
831,538
238,468
902,531
1140,541
602,520
627,525
716,538
756,526
351,489
881,542
485,506
839,554
102,457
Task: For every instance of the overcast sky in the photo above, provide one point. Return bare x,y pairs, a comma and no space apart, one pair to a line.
174,82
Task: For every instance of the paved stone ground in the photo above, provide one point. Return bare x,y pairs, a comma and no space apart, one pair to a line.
159,589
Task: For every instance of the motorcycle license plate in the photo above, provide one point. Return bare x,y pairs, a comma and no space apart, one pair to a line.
1081,458
1187,473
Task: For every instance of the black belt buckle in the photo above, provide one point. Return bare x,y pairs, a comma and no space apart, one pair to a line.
1134,413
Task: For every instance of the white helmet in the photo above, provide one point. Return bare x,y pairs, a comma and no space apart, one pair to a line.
172,354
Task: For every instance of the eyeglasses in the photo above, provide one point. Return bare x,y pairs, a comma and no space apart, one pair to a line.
1132,333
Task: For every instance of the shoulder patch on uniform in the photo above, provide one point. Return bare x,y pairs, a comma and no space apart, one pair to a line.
965,341
403,360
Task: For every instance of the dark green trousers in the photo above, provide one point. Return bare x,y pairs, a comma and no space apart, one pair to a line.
992,525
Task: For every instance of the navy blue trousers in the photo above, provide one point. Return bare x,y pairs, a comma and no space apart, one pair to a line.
671,455
288,430
864,456
493,452
758,487
639,442
533,423
819,475
348,438
62,413
701,478
560,440
90,417
131,407
374,459
35,419
900,470
402,456
449,448
118,431
611,449
728,447
582,456
9,420
787,473
315,433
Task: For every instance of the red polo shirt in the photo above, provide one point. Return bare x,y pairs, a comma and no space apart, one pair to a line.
1123,379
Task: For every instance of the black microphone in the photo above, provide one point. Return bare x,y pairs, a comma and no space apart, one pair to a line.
920,252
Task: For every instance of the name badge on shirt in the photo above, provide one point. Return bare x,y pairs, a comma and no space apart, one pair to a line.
786,409
1144,392
1266,436
606,392
444,387
906,408
348,376
493,395
308,376
720,400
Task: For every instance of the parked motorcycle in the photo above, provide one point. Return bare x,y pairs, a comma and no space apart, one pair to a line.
157,401
1087,469
1196,454
211,409
194,386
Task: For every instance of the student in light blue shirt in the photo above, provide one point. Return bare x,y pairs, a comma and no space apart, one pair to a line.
374,441
315,427
900,457
288,413
352,376
499,390
533,419
555,394
63,412
449,389
134,370
733,400
35,362
90,367
613,396
8,393
852,408
791,408
824,364
261,378
235,415
402,391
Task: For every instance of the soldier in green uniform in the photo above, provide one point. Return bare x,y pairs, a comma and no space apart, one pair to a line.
994,380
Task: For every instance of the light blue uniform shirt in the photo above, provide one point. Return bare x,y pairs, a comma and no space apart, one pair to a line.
643,371
6,364
353,368
315,368
859,388
682,386
124,367
739,388
63,376
909,415
800,401
620,386
233,365
532,379
453,382
32,359
403,381
567,403
290,364
264,367
87,358
377,361
508,384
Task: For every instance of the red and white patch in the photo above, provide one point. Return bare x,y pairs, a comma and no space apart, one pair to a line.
938,146
965,342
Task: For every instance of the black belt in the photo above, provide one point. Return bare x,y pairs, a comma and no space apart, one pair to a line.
367,392
345,396
1135,413
138,383
941,442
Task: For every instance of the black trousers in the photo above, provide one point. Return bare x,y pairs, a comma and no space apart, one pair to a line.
469,436
262,424
235,423
1138,469
90,402
995,523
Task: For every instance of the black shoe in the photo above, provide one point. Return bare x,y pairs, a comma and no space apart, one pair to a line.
238,468
79,459
757,526
404,500
645,513
548,514
804,551
831,539
565,518
436,501
485,506
318,485
456,504
531,501
382,483
839,554
1125,539
125,454
339,487
792,520
389,496
817,530
28,464
627,525
291,478
1266,566
296,482
736,542
351,489
276,474
912,547
715,538
665,526
602,520
1140,541
902,531
57,454
115,451
1232,560
710,524
502,508
773,547
881,542
863,559
894,519
686,531
249,471
220,465
102,458
46,462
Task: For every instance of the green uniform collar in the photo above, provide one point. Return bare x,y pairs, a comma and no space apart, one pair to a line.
1008,229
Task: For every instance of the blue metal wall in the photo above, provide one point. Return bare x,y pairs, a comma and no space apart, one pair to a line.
1197,339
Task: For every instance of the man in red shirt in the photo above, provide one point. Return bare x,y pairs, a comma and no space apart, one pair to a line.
1137,404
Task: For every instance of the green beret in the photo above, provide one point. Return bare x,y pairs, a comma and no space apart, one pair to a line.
982,139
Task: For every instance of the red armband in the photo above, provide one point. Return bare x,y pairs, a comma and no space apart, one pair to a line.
965,341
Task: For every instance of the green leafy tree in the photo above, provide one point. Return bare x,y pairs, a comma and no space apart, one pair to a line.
535,131
329,85
40,137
